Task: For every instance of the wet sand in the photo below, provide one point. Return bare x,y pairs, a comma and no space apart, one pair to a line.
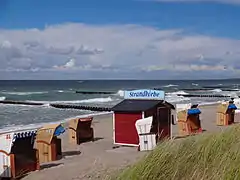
98,159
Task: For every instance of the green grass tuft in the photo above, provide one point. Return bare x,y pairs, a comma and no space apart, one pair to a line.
214,156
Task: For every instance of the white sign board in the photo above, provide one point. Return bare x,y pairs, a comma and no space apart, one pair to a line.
145,94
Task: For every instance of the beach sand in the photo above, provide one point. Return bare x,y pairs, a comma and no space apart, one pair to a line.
98,159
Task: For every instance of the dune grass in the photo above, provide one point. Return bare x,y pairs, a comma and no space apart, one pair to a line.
214,156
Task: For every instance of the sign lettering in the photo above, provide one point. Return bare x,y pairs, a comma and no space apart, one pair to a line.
144,94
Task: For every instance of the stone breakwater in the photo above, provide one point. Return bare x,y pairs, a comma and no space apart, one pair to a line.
61,106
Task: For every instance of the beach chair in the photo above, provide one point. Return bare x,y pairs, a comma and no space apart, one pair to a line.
181,107
225,113
48,143
189,122
17,153
80,130
237,116
147,139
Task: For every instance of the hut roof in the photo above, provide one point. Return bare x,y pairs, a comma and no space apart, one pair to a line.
129,105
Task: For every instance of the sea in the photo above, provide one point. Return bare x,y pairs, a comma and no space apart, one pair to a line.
64,92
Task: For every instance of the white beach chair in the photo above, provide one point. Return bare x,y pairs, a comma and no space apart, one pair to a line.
147,141
181,107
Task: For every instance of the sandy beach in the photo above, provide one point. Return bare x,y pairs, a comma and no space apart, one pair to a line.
98,159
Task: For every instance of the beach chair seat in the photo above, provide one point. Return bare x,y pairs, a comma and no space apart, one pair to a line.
85,135
183,127
189,122
80,130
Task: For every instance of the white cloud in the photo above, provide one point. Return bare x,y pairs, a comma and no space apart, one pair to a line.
69,65
217,1
119,49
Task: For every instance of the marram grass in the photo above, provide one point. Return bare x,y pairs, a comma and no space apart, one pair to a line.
213,156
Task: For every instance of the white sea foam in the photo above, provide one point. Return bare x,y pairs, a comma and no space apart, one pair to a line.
170,85
216,90
64,91
60,91
2,98
229,93
177,93
175,98
23,93
120,93
93,100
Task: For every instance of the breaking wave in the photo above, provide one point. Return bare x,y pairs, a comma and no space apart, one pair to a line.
176,96
120,93
24,93
2,98
170,85
93,100
177,93
216,90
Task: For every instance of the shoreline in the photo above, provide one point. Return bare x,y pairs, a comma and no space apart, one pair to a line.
34,125
12,128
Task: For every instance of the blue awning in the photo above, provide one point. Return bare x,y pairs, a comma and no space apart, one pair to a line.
232,106
194,111
59,130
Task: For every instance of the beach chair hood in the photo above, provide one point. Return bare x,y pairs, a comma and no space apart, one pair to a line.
47,132
194,111
232,106
182,115
73,124
222,108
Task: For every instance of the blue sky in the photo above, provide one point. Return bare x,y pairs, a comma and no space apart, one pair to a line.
154,37
208,18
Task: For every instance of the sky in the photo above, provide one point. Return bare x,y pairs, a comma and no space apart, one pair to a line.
119,39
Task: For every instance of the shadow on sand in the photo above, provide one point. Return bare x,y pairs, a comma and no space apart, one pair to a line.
97,138
71,153
50,165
